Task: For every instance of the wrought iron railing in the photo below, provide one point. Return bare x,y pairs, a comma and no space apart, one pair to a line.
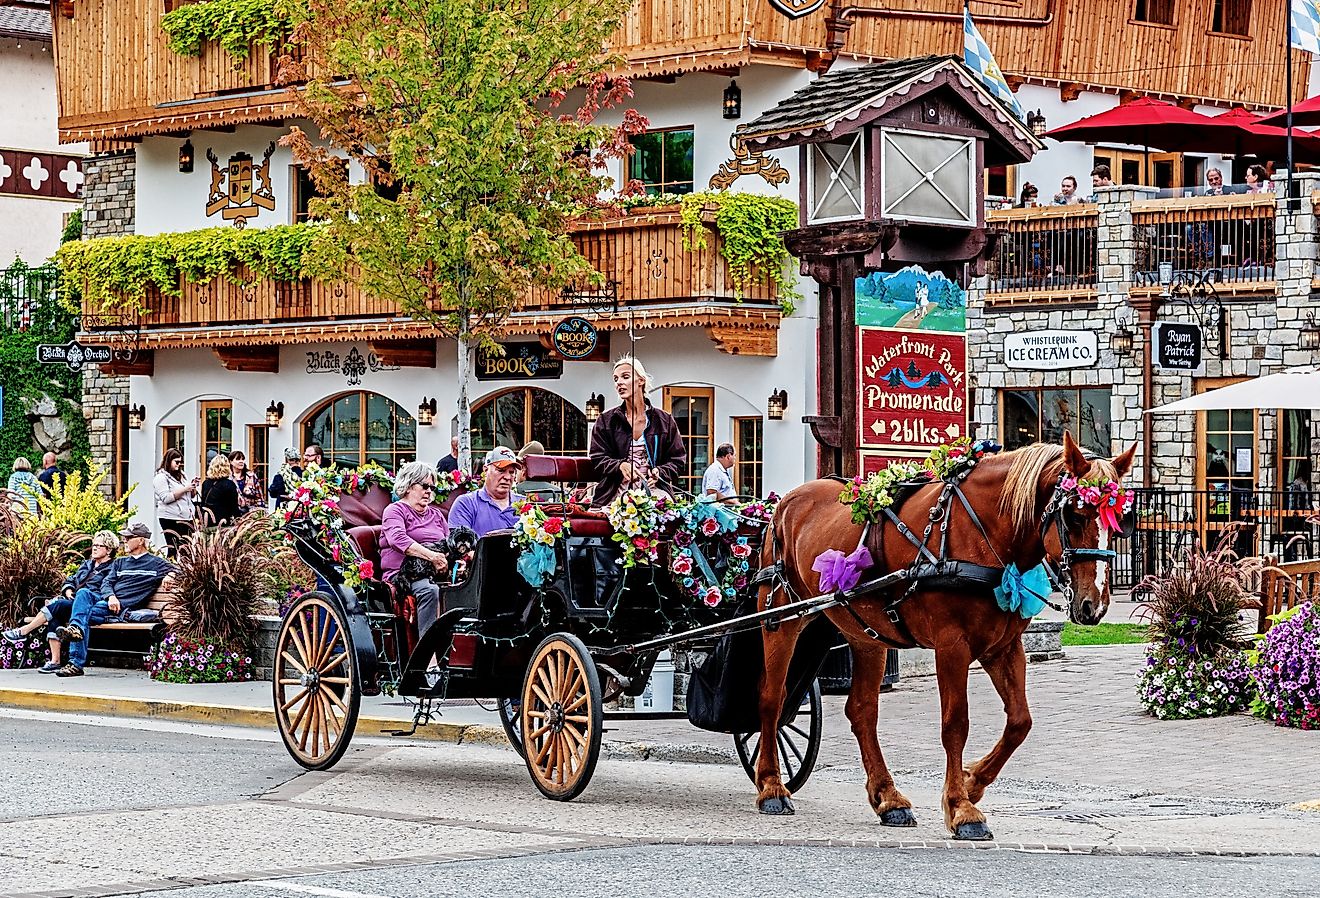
29,297
1048,248
1215,239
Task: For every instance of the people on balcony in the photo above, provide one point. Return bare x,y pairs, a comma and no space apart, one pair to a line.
1214,183
406,527
247,483
1100,178
1030,196
220,503
1067,194
1258,179
174,493
635,445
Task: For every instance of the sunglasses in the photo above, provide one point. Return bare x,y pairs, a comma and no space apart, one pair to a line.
429,487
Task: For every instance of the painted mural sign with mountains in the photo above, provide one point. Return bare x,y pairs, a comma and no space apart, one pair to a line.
911,299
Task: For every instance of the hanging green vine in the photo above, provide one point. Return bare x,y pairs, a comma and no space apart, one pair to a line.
236,25
117,272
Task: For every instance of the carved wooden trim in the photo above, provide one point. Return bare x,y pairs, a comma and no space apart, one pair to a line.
405,353
744,341
265,359
747,162
827,429
1070,91
143,363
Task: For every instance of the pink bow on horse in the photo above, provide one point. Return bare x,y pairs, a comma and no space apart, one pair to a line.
839,571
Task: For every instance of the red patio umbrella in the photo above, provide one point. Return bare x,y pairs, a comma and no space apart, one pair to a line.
1266,141
1305,114
1143,122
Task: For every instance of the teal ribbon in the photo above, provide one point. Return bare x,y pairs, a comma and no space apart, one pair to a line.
536,563
1023,593
709,506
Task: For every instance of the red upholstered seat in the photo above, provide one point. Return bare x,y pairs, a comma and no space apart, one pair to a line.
364,508
367,538
590,525
560,468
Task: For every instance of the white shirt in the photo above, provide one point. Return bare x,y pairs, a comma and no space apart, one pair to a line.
717,478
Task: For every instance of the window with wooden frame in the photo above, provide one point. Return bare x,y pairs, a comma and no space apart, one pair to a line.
694,410
515,417
304,190
1295,450
172,438
120,459
748,446
663,160
1153,12
1042,416
1001,181
356,428
1231,17
258,452
1164,170
217,429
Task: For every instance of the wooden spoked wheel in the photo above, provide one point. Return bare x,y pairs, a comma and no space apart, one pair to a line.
562,717
798,742
318,687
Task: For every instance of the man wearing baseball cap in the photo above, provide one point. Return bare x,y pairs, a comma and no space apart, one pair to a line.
132,580
493,506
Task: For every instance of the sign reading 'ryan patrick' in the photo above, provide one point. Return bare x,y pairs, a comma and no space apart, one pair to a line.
912,388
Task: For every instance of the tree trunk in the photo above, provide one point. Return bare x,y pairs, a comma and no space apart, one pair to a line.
464,410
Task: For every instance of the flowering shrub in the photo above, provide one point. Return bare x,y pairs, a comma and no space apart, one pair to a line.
869,496
536,534
1176,685
30,651
1286,669
180,660
79,506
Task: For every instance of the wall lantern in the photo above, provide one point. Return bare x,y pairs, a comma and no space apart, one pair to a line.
1310,336
775,405
186,157
1121,340
1036,122
595,408
426,412
733,100
274,413
136,415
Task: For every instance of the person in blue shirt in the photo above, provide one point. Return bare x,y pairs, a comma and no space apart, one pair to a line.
716,481
24,484
494,506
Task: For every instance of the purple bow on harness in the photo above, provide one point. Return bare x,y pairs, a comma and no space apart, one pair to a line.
839,571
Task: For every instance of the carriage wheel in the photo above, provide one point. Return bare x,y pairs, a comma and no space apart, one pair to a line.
511,719
318,688
798,741
562,717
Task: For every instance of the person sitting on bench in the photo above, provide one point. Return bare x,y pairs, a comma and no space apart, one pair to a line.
55,612
131,581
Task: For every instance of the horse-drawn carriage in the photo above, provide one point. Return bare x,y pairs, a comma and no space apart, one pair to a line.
550,658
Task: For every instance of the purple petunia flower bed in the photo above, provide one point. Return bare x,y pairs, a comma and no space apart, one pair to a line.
179,660
1286,670
30,651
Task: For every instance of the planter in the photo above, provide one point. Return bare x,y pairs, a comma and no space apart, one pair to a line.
265,633
1044,640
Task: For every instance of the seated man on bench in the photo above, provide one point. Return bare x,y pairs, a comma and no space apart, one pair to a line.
132,580
90,574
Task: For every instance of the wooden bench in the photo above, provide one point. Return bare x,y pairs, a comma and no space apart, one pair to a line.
109,642
1288,584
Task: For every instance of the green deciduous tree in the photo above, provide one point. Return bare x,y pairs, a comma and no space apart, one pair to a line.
475,158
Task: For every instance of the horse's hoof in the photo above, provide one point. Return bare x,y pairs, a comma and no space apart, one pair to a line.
973,832
898,817
777,807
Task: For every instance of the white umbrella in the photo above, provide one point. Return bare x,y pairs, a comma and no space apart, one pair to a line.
1297,388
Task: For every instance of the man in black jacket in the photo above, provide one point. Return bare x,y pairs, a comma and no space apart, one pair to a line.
279,490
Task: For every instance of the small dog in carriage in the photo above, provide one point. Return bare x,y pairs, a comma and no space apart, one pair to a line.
457,547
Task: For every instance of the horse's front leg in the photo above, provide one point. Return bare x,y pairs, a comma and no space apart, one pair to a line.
772,796
1008,671
863,712
960,815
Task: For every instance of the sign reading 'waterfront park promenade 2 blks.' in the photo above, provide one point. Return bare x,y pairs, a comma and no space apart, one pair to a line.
912,388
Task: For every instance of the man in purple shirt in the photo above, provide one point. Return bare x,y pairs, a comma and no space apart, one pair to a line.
493,506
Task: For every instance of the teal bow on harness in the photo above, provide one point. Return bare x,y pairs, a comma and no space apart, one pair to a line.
1023,593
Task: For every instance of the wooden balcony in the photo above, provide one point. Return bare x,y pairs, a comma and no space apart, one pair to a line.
653,282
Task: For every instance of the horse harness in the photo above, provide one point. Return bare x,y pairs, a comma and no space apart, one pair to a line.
929,570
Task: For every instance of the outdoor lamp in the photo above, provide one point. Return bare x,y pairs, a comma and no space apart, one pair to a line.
274,413
595,407
775,405
1310,336
1166,273
136,415
1036,122
1121,340
733,100
186,157
426,411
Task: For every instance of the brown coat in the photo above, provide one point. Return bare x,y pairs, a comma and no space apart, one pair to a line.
611,440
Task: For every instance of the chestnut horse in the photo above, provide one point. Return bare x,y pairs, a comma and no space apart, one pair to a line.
1025,517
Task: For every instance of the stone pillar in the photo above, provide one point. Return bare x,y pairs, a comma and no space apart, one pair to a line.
109,210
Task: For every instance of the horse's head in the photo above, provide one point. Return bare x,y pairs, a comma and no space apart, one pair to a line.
1088,510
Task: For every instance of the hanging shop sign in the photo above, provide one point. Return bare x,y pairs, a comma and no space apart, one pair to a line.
912,388
575,338
1176,346
1051,350
521,361
73,354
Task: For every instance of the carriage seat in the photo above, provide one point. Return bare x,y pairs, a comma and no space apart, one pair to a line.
560,468
367,539
360,509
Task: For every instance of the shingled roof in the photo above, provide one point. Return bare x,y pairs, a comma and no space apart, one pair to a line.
845,93
25,23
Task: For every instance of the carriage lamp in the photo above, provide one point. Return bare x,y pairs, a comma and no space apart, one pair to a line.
426,411
1310,336
1036,122
186,157
1121,340
595,407
136,415
775,405
274,413
733,100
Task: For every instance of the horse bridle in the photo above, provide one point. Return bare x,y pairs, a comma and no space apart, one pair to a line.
1060,574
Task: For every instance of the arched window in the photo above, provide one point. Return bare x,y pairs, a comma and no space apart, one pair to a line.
359,427
516,417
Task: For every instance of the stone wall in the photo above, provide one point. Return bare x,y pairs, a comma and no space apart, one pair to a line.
108,211
1262,335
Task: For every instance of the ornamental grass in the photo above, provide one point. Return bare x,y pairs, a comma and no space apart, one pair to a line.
32,565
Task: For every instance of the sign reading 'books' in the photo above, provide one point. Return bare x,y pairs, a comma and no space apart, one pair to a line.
521,361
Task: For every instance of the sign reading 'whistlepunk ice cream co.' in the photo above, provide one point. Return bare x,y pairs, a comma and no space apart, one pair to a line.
1051,350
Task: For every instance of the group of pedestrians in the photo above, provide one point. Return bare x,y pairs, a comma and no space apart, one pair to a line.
28,488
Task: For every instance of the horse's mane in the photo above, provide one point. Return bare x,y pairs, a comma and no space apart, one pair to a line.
1019,501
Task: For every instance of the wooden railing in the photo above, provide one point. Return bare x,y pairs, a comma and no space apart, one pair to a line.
1211,239
641,257
1046,249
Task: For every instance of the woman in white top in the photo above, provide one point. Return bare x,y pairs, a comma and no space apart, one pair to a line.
174,498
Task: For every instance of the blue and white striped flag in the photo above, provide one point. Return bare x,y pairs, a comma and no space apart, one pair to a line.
1306,25
979,59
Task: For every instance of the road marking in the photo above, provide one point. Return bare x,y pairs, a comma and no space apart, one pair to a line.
314,890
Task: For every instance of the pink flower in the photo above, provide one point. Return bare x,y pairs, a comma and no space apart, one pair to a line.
682,564
712,597
1068,484
710,527
741,550
366,568
552,526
